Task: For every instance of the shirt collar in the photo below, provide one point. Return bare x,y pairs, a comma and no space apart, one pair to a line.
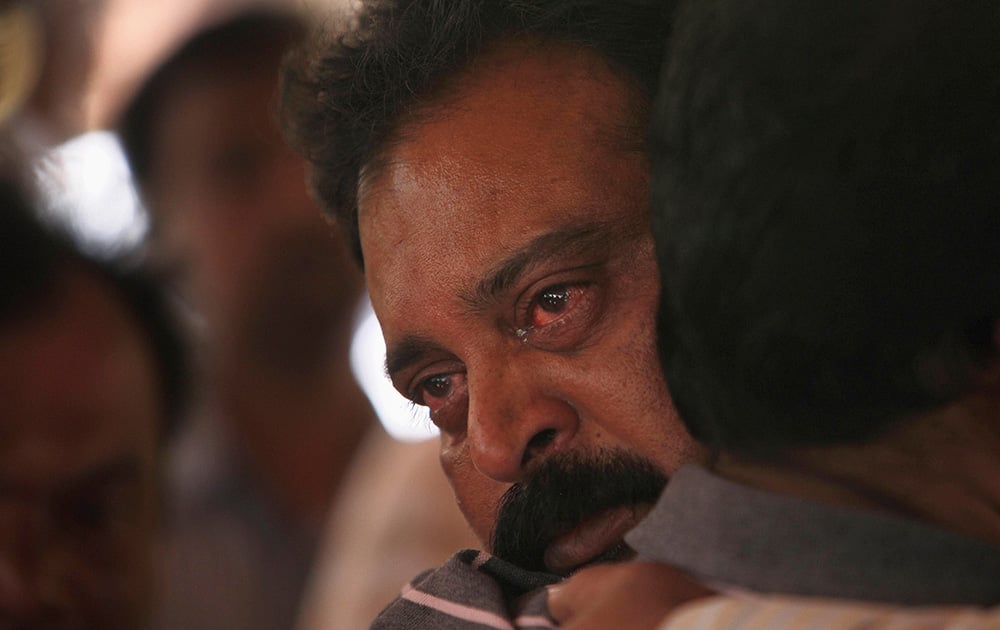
727,533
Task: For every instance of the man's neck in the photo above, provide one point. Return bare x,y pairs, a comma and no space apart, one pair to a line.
941,467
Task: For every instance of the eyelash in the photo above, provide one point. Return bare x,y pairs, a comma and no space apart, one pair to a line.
562,334
558,335
450,415
415,392
420,418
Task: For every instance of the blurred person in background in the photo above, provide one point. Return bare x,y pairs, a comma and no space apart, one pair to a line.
46,59
92,381
395,517
273,296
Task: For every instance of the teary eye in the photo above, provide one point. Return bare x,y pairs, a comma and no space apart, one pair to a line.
558,316
436,391
550,304
554,300
434,388
442,394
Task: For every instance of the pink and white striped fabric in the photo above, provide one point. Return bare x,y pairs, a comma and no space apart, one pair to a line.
472,590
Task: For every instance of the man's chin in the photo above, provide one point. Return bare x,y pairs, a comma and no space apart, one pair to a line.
596,540
617,553
620,552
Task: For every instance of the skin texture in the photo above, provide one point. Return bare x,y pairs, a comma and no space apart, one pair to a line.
635,595
510,264
78,461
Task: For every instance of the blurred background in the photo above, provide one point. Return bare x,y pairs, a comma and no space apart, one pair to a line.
282,508
95,54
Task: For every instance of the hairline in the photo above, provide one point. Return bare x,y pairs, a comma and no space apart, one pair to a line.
629,133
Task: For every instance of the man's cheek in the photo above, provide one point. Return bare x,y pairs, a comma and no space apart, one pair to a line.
478,496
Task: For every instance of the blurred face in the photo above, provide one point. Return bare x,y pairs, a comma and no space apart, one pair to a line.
509,260
252,251
77,464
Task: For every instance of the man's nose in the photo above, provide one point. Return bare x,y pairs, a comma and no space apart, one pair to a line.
514,422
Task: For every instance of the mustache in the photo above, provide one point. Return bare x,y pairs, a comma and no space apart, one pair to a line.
564,491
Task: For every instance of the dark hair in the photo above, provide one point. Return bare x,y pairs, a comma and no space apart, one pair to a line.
827,214
34,256
342,100
244,41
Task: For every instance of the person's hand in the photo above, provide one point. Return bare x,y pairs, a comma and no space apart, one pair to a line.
635,595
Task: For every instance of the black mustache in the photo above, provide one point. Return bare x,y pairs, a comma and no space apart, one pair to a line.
564,491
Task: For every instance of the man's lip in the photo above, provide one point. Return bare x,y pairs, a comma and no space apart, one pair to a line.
592,538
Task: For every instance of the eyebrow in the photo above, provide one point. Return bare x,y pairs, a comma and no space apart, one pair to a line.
598,237
408,351
589,238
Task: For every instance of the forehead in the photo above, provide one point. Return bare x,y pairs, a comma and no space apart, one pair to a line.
78,385
532,138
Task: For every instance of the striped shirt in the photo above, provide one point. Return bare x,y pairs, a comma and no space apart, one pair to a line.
473,590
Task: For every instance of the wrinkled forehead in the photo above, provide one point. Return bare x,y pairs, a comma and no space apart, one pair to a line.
515,90
534,143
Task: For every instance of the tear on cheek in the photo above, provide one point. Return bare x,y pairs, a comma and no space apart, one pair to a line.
452,416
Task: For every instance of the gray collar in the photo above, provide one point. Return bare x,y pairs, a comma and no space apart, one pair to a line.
727,533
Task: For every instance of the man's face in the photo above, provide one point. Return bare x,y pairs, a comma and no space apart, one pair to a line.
251,250
78,482
510,263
